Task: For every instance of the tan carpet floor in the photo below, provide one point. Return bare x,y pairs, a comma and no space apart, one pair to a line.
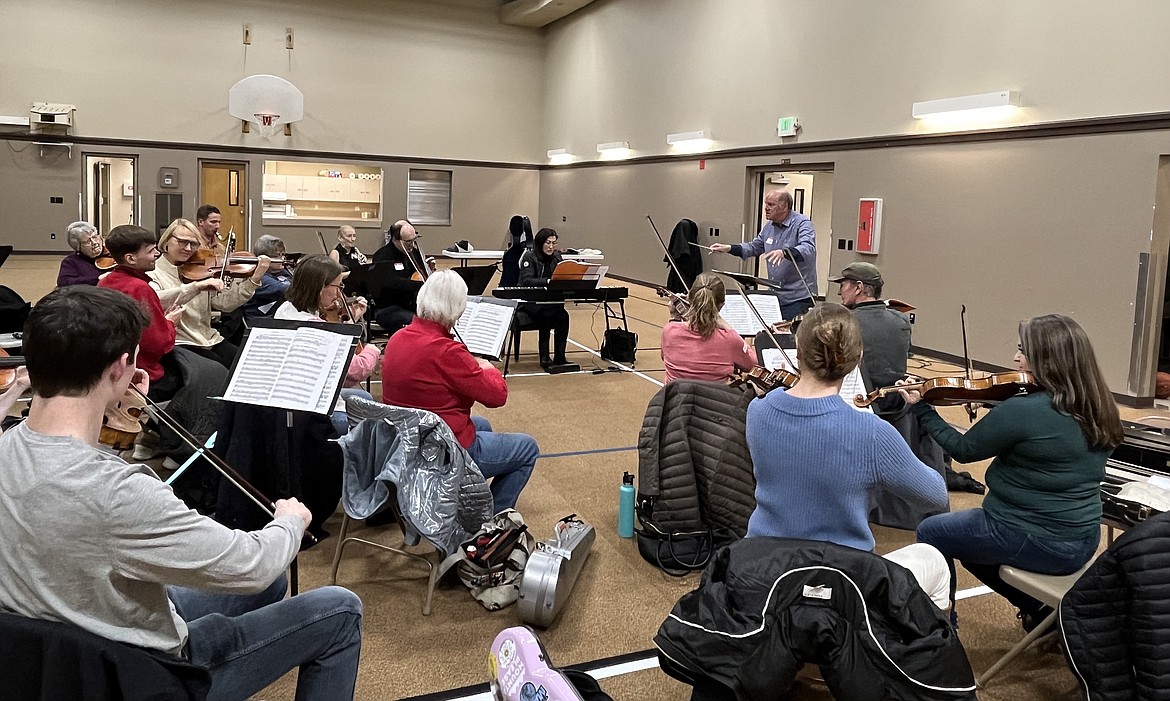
620,600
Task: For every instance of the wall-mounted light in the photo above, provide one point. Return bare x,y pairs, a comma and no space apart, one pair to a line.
690,140
559,156
970,107
614,150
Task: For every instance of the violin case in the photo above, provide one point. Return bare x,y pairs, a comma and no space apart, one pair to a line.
552,571
521,671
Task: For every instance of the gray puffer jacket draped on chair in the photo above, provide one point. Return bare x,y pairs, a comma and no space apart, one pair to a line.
441,492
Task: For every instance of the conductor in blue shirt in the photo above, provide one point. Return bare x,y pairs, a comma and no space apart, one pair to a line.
788,244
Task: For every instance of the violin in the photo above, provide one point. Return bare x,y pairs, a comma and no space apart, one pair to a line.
679,303
105,261
205,264
8,365
766,380
954,391
123,422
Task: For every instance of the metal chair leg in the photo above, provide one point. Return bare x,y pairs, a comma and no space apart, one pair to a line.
1038,632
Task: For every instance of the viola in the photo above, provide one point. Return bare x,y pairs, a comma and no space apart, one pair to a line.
204,264
766,380
957,390
105,261
123,422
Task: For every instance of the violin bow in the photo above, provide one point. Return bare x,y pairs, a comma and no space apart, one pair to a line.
971,413
426,275
255,495
669,258
767,330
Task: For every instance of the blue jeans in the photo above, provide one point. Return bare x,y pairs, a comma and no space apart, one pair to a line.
505,458
248,641
340,419
983,544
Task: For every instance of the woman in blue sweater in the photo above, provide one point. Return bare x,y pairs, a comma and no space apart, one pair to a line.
1043,509
820,463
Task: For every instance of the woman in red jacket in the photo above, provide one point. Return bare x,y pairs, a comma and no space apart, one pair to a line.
432,371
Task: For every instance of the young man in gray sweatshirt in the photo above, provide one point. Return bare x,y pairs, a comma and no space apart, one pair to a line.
104,545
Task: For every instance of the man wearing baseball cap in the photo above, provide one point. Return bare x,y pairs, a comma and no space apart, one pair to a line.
885,340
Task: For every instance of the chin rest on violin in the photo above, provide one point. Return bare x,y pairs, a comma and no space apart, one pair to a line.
123,422
954,391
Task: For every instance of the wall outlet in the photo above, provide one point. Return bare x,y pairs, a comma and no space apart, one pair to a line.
713,232
53,235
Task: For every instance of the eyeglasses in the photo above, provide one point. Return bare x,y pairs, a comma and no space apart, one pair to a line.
340,286
185,243
1020,348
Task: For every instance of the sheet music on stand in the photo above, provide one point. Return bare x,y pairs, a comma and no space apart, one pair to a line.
739,317
850,388
485,324
292,365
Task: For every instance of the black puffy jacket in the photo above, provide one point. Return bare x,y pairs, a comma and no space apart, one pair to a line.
766,606
1116,619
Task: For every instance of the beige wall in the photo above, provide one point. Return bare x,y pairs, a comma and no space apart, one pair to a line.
1008,228
396,77
637,70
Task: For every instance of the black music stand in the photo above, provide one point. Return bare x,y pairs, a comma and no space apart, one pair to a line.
290,466
745,279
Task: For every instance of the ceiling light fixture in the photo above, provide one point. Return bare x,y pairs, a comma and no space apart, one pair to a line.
614,150
986,106
559,156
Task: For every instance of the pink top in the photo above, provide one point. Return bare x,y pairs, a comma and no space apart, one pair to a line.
689,356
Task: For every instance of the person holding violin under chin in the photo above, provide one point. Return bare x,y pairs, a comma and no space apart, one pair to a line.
1042,512
193,330
820,464
701,346
536,269
87,264
317,293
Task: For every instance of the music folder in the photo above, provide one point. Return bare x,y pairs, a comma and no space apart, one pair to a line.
484,325
571,275
292,364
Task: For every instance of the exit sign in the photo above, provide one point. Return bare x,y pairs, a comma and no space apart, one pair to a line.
787,126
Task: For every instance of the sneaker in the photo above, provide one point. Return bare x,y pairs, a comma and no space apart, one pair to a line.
465,246
144,452
170,464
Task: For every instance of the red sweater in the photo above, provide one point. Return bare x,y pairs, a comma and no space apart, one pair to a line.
424,368
159,337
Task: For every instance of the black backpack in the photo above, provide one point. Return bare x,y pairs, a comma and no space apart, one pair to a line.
13,310
619,345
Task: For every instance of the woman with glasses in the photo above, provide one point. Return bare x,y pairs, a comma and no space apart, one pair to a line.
1042,512
80,267
317,293
193,328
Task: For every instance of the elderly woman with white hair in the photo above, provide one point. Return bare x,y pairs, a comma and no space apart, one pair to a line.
80,267
424,367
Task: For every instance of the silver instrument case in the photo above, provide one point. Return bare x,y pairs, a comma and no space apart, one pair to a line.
552,570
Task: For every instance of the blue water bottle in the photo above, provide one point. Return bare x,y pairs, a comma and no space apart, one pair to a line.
626,507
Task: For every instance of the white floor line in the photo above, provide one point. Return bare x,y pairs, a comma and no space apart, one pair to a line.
624,368
973,591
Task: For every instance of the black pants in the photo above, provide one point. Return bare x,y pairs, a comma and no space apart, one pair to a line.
223,352
549,318
393,318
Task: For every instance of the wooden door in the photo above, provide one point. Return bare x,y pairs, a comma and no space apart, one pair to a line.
225,185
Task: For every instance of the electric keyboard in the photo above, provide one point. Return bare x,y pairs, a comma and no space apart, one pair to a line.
1145,453
543,294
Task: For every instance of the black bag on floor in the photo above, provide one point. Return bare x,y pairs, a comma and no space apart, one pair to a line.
13,310
676,552
619,345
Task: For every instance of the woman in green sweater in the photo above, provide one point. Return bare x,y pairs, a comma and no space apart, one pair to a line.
1043,509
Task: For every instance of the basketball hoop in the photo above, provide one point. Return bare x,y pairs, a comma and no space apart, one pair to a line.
266,101
267,124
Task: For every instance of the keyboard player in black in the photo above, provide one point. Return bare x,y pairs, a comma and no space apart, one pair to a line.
536,270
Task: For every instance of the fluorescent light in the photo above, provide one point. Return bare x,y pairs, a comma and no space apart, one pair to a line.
987,105
558,156
614,150
690,141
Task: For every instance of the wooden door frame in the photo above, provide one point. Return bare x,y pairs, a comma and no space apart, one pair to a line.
87,209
